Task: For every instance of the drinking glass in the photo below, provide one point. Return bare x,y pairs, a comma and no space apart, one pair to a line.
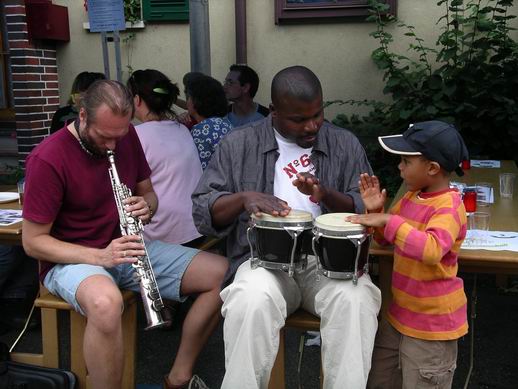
21,189
480,225
506,185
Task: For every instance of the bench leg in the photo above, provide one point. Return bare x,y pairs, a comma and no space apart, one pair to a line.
77,361
49,337
129,334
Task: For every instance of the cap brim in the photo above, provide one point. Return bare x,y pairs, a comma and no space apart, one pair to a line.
396,144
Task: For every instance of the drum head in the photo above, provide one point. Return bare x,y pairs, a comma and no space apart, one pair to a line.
334,224
296,218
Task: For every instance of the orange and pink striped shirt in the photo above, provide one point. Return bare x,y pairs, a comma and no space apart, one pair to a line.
427,230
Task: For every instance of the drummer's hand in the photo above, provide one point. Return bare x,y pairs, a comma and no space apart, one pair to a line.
125,249
370,219
372,197
308,184
138,207
257,203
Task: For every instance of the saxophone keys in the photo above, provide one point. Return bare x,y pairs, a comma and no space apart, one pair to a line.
158,305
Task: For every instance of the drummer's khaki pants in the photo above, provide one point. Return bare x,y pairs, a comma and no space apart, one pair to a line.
255,307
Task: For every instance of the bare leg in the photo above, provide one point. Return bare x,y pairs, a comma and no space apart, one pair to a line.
203,276
101,300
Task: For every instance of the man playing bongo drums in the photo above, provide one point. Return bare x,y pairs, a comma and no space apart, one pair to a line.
291,159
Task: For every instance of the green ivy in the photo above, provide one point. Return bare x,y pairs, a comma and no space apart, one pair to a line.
132,11
470,78
132,14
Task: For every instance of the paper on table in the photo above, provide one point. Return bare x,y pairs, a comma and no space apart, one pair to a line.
486,163
10,216
492,240
485,194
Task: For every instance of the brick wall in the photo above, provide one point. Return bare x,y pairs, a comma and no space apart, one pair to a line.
35,83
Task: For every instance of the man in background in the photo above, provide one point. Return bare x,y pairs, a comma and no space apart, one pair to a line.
241,84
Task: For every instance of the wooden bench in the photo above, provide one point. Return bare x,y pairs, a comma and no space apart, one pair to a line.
300,320
50,305
208,243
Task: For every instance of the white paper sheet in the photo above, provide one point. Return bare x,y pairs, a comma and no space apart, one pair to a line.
485,194
10,216
485,163
491,240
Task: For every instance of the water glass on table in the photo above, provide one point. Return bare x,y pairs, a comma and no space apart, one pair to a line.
479,223
21,189
506,185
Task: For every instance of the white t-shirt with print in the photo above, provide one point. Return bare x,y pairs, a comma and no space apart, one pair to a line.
293,159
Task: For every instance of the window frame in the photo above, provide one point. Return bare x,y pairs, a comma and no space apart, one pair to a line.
325,11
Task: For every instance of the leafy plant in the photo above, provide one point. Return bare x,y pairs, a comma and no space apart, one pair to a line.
128,41
132,14
472,81
10,174
367,129
132,11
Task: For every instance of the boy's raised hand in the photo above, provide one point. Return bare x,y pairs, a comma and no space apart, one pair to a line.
372,197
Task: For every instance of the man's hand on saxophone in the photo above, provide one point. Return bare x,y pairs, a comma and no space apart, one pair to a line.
125,249
137,206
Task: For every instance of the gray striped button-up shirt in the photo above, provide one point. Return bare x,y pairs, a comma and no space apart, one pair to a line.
245,161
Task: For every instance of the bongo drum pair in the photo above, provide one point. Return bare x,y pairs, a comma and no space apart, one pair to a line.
283,243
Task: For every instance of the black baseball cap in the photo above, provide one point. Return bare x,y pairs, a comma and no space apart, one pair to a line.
437,141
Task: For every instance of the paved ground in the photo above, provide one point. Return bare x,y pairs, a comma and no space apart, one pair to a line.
496,346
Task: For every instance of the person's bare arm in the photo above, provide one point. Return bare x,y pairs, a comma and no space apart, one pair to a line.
39,244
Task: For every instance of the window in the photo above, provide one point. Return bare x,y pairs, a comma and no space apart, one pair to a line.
310,11
166,10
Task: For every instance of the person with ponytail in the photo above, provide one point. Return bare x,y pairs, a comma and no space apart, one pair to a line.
171,154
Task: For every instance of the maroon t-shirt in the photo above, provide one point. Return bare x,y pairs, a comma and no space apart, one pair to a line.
71,189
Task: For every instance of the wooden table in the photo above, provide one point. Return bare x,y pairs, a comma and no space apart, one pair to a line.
11,235
504,217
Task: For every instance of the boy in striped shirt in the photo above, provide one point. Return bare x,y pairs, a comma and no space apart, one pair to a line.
416,347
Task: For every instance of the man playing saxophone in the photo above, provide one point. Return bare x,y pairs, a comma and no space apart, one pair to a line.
71,224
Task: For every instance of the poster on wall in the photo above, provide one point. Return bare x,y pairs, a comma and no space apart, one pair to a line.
106,15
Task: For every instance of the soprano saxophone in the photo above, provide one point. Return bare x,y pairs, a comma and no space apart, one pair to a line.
131,225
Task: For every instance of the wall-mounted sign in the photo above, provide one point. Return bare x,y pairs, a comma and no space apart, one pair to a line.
106,15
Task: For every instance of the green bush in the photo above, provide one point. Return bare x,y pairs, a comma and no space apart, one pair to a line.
472,82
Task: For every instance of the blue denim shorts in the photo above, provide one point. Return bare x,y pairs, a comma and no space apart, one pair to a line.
169,262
